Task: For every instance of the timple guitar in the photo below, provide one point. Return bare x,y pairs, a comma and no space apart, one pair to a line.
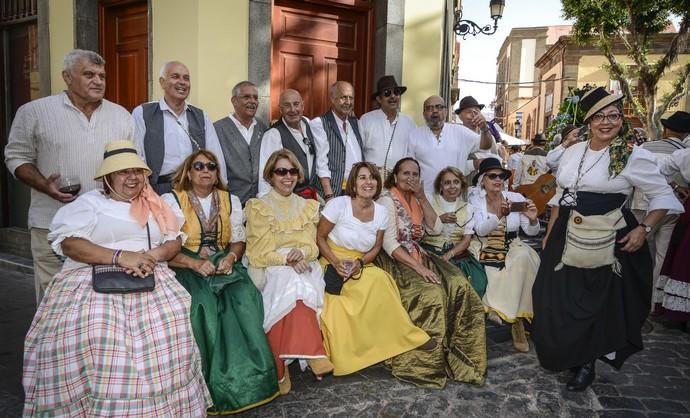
540,192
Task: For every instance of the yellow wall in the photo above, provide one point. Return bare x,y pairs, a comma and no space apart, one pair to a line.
422,43
211,38
61,34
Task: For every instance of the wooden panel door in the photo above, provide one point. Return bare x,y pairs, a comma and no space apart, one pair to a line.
316,43
123,42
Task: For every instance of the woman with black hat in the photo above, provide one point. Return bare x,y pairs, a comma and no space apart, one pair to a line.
510,264
593,289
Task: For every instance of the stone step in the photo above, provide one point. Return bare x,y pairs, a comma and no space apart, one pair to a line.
12,262
15,241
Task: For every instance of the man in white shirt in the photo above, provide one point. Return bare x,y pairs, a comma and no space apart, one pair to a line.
570,135
291,131
386,131
63,136
240,135
169,130
338,142
438,144
533,163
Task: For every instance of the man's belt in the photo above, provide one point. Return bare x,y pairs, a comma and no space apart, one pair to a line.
168,178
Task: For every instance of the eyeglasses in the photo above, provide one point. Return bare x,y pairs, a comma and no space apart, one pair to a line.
285,171
494,176
611,117
438,107
388,92
199,166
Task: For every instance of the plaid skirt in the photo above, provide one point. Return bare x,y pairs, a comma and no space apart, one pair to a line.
114,355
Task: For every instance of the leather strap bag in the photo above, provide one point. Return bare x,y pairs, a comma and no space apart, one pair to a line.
590,240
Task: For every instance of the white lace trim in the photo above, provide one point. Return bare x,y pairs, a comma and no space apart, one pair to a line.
676,295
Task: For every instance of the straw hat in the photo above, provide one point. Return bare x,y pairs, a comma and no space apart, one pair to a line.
120,155
597,99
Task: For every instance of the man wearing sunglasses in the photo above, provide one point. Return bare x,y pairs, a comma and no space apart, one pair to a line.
240,134
168,130
386,131
291,131
338,142
439,144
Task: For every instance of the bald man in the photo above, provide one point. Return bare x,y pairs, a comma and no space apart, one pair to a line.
439,144
292,131
338,141
169,130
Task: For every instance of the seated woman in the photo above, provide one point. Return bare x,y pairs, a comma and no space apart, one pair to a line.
510,264
106,354
458,227
365,323
282,252
227,312
434,292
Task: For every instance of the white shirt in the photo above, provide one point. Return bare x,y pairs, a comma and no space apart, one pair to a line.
58,138
353,154
641,172
451,148
349,232
381,137
176,141
237,231
485,221
678,162
271,143
514,160
553,158
246,133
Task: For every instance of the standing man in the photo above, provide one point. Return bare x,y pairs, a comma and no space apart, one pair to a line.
385,131
63,135
533,163
438,144
292,131
338,142
168,130
240,136
470,113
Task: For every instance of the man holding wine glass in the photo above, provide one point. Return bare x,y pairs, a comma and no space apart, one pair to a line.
47,145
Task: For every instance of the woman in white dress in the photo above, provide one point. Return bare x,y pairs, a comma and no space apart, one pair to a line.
115,354
510,264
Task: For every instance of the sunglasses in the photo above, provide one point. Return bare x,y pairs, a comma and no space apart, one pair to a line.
285,171
199,166
388,92
494,176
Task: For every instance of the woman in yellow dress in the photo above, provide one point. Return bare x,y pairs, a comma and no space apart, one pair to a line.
364,322
282,252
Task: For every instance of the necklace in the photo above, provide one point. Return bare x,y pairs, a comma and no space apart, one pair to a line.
570,197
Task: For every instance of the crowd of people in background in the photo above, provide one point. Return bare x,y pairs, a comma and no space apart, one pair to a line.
335,243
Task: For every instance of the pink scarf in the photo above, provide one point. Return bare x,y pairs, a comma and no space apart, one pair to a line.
148,202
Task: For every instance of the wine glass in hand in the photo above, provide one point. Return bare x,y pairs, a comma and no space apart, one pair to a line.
69,184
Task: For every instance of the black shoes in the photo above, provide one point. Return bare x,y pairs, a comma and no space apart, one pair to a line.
584,376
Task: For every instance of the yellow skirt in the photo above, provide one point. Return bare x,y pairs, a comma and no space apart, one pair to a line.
366,323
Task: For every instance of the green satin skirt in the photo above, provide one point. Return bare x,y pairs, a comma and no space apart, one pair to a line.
227,319
473,269
451,313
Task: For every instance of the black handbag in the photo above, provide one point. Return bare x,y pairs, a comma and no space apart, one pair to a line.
334,283
110,278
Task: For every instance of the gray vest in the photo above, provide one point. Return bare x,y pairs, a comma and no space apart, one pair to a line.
154,145
289,142
242,160
336,149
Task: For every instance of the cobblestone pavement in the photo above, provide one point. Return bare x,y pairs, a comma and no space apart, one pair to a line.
653,383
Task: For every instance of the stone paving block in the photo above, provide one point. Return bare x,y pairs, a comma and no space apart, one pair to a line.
622,414
604,390
609,402
665,406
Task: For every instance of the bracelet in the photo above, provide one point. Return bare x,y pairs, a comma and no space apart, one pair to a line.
116,257
233,256
328,196
361,263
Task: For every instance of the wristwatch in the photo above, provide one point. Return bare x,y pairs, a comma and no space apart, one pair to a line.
646,227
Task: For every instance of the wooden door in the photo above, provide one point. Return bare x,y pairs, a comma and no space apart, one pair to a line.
318,42
123,42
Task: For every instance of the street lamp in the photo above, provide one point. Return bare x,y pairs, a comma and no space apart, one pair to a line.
465,27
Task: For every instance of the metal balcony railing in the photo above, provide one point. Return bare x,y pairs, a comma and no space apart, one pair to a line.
16,11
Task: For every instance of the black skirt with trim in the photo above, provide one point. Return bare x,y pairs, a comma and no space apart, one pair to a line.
584,314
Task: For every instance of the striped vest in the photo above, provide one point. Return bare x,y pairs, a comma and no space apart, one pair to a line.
337,150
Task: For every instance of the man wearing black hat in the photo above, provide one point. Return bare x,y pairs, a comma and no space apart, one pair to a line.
533,163
386,131
469,112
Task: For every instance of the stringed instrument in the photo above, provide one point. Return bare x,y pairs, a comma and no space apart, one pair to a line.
539,192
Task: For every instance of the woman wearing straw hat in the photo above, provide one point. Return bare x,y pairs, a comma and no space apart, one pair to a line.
103,354
593,289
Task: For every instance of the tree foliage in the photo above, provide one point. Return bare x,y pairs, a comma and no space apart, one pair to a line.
634,24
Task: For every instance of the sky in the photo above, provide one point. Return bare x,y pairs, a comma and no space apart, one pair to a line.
478,53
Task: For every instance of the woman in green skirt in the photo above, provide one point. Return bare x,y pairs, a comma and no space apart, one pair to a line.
227,310
457,216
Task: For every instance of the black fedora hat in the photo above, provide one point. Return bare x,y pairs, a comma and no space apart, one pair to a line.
566,130
387,82
597,99
490,164
677,122
468,101
539,139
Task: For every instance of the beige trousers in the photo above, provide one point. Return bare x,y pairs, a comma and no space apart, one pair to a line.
46,263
